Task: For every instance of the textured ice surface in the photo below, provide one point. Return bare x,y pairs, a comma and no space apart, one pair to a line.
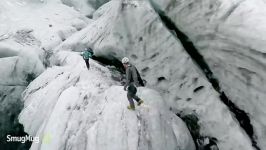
119,31
83,109
71,107
230,36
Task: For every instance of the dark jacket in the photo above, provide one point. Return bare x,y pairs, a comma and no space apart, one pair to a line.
132,76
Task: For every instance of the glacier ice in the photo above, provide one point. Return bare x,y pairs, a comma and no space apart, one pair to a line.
119,32
71,107
83,109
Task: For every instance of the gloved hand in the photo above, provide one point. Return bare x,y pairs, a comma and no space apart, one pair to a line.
125,88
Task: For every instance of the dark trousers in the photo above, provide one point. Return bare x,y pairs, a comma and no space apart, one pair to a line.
87,63
131,94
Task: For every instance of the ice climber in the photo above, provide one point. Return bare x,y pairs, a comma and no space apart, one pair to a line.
133,81
87,54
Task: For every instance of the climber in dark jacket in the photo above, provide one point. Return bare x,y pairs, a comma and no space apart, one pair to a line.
87,54
132,82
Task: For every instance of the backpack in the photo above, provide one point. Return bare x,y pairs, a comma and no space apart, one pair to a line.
141,81
91,51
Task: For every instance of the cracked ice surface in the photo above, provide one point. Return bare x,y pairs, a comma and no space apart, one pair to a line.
118,31
230,36
85,109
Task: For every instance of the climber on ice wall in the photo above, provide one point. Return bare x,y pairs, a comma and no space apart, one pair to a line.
133,81
87,54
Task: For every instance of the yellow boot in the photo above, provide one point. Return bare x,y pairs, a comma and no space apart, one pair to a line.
131,107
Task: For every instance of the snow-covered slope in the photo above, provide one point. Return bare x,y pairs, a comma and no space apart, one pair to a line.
81,109
86,7
163,62
68,106
29,29
51,21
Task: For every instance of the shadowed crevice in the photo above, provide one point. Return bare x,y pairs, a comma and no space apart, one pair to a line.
239,114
